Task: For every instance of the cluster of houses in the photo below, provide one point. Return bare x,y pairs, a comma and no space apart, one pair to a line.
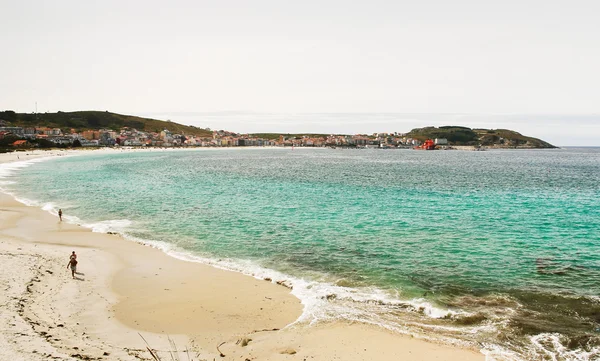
136,138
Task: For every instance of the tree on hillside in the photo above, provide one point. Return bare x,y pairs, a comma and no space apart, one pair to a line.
9,139
8,115
43,143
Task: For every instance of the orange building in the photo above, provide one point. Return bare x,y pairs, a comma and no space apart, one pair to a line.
91,134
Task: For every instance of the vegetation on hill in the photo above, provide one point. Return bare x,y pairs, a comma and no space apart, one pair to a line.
501,138
83,120
7,141
456,135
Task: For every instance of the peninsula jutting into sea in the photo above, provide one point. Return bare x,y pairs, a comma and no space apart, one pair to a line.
101,129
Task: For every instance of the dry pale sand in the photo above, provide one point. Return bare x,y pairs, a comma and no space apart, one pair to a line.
124,288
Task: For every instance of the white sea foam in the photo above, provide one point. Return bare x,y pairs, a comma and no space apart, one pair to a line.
8,170
49,207
594,298
550,345
497,353
27,202
113,225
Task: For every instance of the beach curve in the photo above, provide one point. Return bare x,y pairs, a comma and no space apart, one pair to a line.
129,288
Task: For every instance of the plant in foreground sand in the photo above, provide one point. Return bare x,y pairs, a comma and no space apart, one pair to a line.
173,352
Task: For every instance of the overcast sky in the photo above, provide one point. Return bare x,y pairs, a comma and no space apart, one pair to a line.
322,66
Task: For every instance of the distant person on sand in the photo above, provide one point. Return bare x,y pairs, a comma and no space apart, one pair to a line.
60,216
72,264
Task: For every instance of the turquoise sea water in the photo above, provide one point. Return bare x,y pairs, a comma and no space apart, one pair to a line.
498,249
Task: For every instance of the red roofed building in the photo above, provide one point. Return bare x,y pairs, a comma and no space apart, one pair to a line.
21,143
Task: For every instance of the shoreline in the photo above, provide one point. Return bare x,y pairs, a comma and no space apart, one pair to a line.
128,288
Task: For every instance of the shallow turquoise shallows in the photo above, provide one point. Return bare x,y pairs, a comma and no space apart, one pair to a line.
499,249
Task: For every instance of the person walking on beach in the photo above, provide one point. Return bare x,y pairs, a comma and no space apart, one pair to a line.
60,216
73,264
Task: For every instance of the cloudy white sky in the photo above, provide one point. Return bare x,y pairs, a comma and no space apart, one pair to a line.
322,66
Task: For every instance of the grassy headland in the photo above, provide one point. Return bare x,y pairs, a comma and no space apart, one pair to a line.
84,120
500,138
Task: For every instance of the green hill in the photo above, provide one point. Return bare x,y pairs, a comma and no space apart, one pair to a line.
500,138
83,120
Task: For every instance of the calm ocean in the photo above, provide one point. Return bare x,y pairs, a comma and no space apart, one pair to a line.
498,249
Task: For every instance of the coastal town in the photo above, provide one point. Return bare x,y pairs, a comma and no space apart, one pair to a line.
32,137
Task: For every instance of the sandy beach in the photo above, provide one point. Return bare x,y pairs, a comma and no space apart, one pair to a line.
124,289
